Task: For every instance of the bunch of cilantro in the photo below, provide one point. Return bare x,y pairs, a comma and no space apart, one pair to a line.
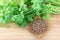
23,11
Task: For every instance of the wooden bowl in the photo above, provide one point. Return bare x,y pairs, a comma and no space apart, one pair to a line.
40,32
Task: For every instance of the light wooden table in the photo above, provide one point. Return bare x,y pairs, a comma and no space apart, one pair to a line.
15,33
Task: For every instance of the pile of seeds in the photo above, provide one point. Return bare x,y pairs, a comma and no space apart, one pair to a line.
38,26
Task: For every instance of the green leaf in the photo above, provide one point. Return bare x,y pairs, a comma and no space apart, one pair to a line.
24,23
30,17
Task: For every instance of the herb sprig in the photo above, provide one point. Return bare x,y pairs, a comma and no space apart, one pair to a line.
23,11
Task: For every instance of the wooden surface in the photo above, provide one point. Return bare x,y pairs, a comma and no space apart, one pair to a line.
15,33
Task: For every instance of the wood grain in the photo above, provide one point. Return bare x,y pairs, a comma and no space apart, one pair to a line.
13,32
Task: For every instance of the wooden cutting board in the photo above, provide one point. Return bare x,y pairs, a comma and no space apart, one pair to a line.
13,32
